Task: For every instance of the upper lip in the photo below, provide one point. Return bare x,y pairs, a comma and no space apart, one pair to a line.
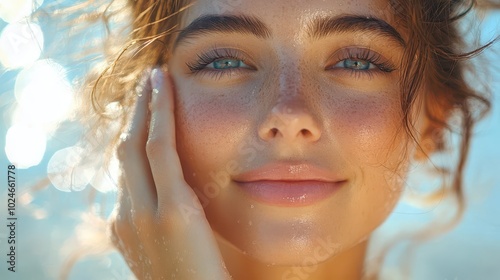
288,171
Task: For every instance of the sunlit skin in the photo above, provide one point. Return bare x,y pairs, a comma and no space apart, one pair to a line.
295,82
291,97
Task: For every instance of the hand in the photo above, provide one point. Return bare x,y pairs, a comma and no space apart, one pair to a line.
147,226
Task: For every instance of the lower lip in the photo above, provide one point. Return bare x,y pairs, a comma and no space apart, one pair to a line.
290,193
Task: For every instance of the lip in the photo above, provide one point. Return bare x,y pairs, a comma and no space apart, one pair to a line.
290,193
288,171
289,184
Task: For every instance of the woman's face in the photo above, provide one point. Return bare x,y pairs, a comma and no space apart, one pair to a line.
304,84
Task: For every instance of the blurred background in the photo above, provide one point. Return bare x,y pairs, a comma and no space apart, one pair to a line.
58,215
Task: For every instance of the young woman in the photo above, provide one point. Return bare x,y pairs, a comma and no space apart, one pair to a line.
269,139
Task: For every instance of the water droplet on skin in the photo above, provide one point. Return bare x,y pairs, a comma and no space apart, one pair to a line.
252,206
249,223
295,169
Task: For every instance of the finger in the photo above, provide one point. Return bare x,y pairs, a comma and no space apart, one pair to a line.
132,152
161,147
125,232
120,221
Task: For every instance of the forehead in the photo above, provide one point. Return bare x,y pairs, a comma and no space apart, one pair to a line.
291,23
288,15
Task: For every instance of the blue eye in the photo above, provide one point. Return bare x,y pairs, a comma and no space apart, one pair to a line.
226,63
361,61
355,64
219,61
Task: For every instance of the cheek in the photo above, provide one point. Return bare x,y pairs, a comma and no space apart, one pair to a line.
366,126
208,128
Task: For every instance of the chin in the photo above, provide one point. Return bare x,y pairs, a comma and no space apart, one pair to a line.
296,253
285,248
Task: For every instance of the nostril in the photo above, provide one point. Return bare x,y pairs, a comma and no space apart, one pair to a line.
305,132
274,131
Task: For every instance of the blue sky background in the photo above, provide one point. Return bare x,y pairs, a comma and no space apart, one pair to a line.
44,226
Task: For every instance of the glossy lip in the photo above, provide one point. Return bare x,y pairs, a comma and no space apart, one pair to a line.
288,184
284,171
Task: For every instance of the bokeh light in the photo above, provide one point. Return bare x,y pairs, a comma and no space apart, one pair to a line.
25,145
43,93
67,172
105,180
13,11
21,44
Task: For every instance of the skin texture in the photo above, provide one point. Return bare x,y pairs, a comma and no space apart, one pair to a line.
351,122
295,101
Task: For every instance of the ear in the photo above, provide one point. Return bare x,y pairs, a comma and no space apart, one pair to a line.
434,122
430,141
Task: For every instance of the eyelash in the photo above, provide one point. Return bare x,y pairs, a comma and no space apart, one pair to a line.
204,59
382,65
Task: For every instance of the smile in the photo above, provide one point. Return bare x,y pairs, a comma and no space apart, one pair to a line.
290,193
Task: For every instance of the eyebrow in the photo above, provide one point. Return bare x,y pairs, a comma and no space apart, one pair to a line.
322,27
224,24
319,27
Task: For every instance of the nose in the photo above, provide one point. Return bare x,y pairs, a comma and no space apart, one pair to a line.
290,122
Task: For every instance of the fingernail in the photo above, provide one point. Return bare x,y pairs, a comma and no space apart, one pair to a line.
156,79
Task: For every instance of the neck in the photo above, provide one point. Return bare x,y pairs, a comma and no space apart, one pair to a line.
347,265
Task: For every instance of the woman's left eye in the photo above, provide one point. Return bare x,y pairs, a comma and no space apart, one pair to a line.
355,64
361,61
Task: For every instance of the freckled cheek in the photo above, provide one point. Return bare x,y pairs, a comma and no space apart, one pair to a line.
368,125
209,127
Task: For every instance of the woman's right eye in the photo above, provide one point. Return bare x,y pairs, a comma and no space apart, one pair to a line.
227,63
219,62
